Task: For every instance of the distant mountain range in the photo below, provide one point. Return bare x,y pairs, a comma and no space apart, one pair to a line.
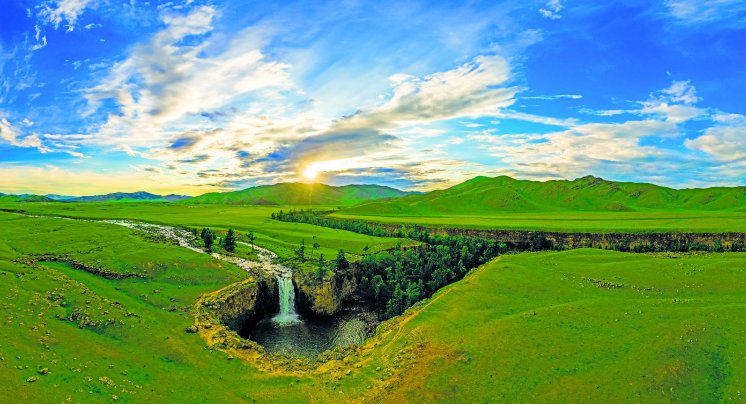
483,195
127,197
480,195
113,197
299,194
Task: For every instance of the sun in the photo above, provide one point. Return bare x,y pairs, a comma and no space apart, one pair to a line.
310,173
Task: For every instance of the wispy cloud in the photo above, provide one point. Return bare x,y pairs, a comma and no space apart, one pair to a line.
55,12
166,83
553,97
700,12
11,135
552,9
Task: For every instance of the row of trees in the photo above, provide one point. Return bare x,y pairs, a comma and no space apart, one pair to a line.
209,238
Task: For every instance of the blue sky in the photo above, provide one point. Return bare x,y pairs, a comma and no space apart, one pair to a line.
195,96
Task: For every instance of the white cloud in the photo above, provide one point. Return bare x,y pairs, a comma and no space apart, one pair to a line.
697,12
675,104
552,9
11,136
724,143
580,149
54,12
682,91
553,97
474,89
164,85
40,37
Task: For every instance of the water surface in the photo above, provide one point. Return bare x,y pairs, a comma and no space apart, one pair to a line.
310,336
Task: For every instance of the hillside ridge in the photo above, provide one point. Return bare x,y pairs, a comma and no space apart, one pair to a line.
484,195
295,193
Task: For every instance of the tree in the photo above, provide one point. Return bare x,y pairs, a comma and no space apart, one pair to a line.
301,251
321,271
365,249
379,288
414,292
251,238
397,303
202,234
209,240
341,261
315,246
229,243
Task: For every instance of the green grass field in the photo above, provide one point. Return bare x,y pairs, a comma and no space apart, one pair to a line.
575,326
598,222
578,325
280,237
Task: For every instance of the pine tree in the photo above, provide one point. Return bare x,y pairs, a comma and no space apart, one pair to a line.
321,271
229,243
209,240
301,251
397,303
341,261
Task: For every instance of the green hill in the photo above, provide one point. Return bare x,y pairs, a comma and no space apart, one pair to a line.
298,194
483,195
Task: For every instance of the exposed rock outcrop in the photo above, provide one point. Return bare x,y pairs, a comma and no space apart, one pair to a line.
325,297
239,304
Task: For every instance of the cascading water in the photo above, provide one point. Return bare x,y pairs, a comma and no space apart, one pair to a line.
287,314
291,333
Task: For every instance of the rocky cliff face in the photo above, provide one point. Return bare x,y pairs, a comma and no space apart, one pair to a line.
324,297
243,303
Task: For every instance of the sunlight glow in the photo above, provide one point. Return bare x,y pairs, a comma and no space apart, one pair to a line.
310,173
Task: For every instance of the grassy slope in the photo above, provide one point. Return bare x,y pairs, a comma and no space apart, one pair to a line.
145,356
483,195
297,194
534,327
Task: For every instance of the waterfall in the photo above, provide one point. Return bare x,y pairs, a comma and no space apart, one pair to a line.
287,314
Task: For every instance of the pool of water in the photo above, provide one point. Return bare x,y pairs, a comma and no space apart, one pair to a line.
310,336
